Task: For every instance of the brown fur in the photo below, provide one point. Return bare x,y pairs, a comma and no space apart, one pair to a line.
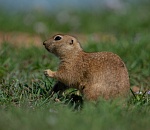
99,74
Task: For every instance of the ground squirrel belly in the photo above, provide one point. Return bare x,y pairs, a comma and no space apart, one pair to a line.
98,74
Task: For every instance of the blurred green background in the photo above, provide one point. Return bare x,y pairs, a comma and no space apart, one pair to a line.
113,16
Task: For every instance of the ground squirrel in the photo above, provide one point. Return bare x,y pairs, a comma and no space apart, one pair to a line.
97,74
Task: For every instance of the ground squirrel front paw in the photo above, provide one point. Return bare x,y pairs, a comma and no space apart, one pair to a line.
49,73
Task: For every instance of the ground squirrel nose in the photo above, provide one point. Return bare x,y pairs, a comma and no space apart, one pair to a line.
44,43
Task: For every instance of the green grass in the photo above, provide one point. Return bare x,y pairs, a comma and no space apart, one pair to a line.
104,115
25,102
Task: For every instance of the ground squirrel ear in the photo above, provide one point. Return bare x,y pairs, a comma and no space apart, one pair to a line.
71,42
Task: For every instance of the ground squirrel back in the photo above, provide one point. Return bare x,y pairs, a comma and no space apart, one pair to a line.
99,74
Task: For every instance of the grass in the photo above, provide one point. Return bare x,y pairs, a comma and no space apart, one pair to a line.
25,102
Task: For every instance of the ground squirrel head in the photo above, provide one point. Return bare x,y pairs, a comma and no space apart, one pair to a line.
62,45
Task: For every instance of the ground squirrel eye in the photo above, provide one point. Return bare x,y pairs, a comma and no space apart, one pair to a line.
57,38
